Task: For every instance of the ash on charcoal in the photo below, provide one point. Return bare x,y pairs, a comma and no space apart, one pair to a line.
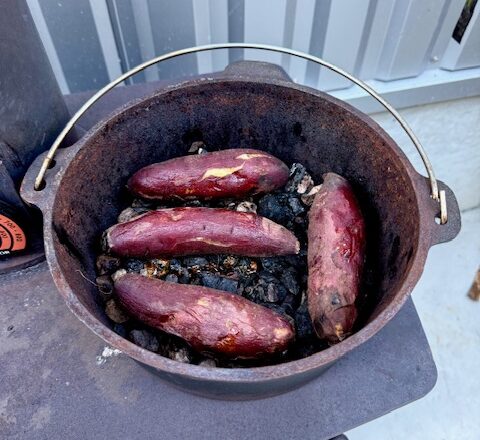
181,355
308,197
246,207
144,339
299,181
218,282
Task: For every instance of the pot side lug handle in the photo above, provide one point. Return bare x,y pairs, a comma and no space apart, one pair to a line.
43,198
255,69
448,231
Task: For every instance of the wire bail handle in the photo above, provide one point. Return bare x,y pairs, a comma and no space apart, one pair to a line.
437,195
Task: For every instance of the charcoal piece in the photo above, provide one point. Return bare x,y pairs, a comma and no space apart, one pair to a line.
155,268
120,330
289,280
295,206
107,264
144,339
142,203
298,261
303,322
175,266
196,147
133,265
246,266
219,282
172,278
274,264
183,276
115,312
273,207
130,213
195,263
105,286
299,181
229,262
192,203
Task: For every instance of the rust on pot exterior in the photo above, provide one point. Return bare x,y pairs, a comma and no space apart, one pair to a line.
84,194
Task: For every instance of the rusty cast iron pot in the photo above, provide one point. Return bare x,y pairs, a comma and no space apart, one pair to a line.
246,107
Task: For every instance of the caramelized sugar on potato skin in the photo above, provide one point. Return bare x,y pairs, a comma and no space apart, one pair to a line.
228,173
195,231
336,254
209,320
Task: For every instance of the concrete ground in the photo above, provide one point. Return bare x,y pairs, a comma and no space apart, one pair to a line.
452,324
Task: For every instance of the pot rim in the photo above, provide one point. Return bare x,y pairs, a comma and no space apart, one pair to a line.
252,374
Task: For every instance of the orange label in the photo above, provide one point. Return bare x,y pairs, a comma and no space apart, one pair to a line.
12,237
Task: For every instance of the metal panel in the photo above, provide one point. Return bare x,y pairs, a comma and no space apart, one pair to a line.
219,32
317,39
451,11
75,37
141,15
302,33
412,26
236,19
173,28
126,37
47,41
346,21
106,36
211,26
374,36
467,52
264,23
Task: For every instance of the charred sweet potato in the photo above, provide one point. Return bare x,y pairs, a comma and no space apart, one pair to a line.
209,320
227,173
336,253
194,231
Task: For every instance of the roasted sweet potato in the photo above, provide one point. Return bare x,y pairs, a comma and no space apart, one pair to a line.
209,320
194,231
227,173
336,253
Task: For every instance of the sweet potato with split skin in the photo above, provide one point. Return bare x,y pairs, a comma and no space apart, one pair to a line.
209,320
336,253
194,231
227,173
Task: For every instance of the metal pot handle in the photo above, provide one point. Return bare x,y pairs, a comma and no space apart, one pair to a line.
436,195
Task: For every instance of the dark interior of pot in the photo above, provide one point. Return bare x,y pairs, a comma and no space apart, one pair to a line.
293,123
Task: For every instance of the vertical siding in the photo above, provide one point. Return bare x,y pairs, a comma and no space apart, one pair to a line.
89,42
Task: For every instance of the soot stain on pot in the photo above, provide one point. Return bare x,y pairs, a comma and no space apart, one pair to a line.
278,283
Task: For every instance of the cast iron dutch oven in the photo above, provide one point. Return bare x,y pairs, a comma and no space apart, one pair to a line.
246,107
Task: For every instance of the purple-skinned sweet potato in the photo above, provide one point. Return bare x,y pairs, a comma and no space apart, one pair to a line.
336,253
195,231
220,174
209,320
